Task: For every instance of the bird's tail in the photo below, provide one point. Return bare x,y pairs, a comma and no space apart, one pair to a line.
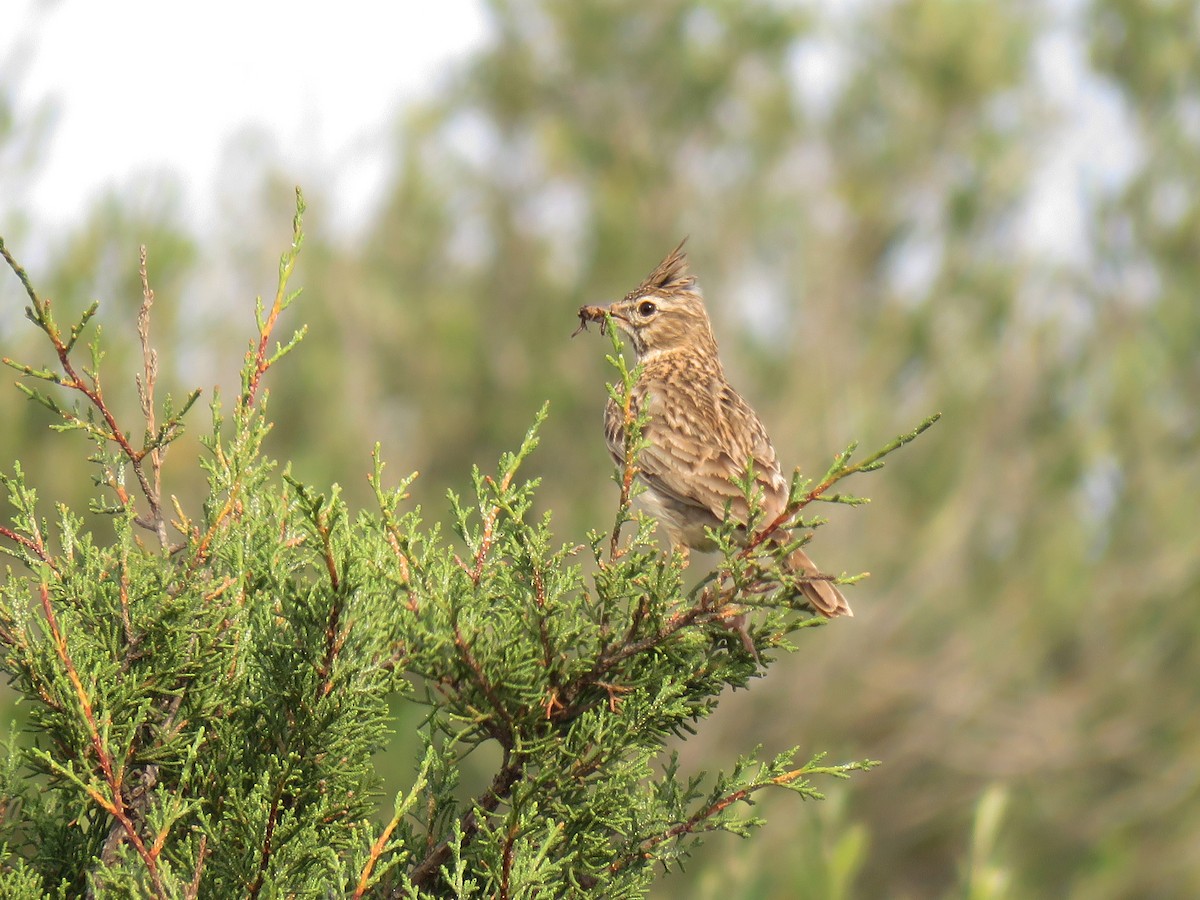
823,596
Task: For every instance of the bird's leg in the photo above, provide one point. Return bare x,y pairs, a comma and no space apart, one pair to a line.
740,625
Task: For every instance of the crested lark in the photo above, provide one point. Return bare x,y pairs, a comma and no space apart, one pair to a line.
701,433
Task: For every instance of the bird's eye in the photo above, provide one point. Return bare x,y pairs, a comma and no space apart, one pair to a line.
646,309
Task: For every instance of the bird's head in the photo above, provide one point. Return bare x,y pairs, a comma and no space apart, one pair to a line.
663,314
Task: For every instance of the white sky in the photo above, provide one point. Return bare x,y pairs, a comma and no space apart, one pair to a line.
325,80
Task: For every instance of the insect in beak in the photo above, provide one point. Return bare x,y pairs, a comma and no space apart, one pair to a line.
591,314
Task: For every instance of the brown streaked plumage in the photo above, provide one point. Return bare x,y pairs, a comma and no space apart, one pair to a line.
700,433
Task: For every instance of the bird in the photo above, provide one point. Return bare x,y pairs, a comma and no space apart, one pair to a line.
700,434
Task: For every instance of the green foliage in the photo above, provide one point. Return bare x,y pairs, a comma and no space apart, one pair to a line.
206,693
985,208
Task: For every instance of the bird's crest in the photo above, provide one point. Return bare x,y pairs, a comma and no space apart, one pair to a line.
671,276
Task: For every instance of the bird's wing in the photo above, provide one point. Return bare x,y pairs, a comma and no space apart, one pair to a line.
698,443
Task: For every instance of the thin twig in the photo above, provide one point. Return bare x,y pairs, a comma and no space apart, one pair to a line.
21,274
506,863
34,547
261,362
364,878
264,857
145,385
631,437
123,596
539,594
41,315
193,890
506,735
489,523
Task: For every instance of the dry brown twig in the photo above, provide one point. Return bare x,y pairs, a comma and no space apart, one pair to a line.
87,383
145,385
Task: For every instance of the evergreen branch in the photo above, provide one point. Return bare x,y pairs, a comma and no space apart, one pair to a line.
85,703
506,859
256,366
428,870
22,276
89,386
193,889
264,856
95,396
144,776
488,536
35,547
257,360
544,639
839,470
387,503
114,805
400,810
78,328
705,819
873,461
633,422
123,598
203,546
507,735
43,374
576,693
334,638
629,470
24,501
252,600
377,848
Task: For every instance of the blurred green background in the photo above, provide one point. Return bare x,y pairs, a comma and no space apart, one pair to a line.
893,208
